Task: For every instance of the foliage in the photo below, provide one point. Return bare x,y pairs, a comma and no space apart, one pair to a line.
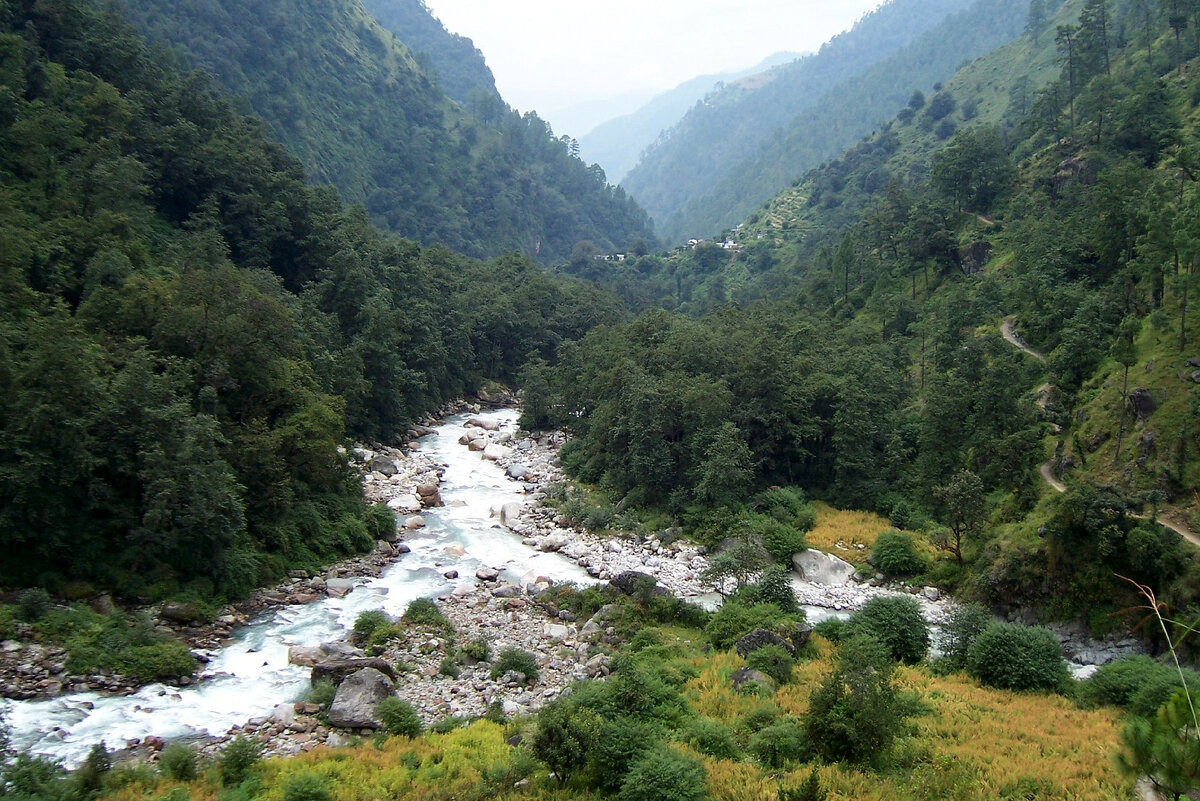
712,738
894,554
33,604
1015,657
367,622
178,761
773,660
478,649
856,712
517,660
399,718
776,745
238,758
564,738
734,619
621,741
962,627
321,693
1165,749
773,587
899,625
306,787
664,775
425,613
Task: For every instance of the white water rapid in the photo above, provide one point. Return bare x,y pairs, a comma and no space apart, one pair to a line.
249,677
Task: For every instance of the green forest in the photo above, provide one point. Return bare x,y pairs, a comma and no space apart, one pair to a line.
190,330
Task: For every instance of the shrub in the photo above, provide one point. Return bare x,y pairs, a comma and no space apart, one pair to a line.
178,761
774,660
478,649
761,716
321,693
856,712
564,738
774,587
779,539
898,624
517,660
1156,692
238,758
424,612
367,622
712,738
832,629
1015,657
787,505
33,604
449,667
901,514
399,717
1118,682
734,619
961,629
306,787
895,555
158,662
90,774
381,522
664,775
780,743
809,790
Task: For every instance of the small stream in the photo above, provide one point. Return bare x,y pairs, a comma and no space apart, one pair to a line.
251,676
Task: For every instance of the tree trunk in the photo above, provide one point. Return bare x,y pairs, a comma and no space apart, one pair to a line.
1121,425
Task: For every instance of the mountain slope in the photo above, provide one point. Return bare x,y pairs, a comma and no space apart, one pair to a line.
848,111
461,71
728,125
618,144
351,101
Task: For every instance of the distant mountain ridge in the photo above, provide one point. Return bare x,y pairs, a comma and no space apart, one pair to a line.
691,158
355,105
618,144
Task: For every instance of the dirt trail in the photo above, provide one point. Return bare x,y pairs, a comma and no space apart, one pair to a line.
1047,468
1013,338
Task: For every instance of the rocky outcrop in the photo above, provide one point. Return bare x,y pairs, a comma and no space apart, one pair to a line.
822,568
339,669
356,705
760,638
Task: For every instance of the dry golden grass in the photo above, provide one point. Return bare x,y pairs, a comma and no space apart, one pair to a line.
848,534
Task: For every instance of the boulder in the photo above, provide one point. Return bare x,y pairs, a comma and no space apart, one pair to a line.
338,669
518,471
180,612
432,501
425,490
486,425
822,568
747,675
506,590
487,574
494,452
797,634
382,464
405,503
305,655
477,444
1142,402
633,582
356,704
553,542
415,522
510,512
749,643
339,587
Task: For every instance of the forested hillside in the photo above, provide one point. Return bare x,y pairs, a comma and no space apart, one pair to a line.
728,125
354,105
1051,184
456,64
189,331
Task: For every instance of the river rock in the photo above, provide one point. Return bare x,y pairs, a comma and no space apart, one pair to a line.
339,669
284,716
494,452
759,638
305,655
553,542
518,471
381,464
822,568
632,582
404,503
506,590
180,612
510,512
479,422
487,574
455,550
356,704
415,522
339,587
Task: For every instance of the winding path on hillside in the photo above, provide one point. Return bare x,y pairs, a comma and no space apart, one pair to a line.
1047,468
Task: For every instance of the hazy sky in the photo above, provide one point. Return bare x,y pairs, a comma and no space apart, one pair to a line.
550,55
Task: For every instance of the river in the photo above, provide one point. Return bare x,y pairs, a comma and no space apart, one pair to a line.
251,676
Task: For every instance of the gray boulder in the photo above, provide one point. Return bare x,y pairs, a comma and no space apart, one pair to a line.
356,705
517,471
747,675
338,669
749,643
180,612
381,464
822,568
633,582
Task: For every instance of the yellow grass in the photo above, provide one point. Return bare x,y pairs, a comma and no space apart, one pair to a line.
848,534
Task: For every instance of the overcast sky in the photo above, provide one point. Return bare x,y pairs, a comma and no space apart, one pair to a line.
550,55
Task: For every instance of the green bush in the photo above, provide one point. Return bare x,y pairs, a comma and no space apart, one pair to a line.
901,515
774,586
1118,682
761,716
780,743
1158,690
381,522
33,604
449,667
564,737
832,629
664,775
518,660
734,619
367,622
897,622
478,649
787,505
306,787
321,693
894,554
774,660
178,761
238,758
1015,657
780,540
712,738
399,717
962,627
158,662
424,612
